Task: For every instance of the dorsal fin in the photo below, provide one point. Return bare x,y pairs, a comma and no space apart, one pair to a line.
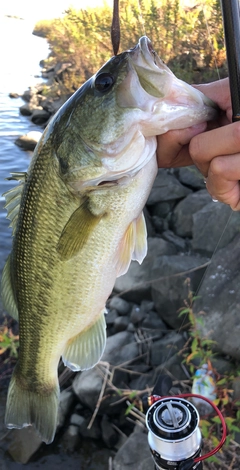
13,198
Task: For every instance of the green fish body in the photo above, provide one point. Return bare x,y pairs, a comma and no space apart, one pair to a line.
77,220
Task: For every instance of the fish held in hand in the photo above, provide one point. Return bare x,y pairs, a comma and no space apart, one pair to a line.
77,220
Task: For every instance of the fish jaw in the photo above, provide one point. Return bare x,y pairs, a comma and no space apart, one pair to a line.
169,103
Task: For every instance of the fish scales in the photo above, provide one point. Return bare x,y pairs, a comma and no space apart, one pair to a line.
80,220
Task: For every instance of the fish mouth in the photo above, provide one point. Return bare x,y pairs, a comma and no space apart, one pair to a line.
158,81
150,56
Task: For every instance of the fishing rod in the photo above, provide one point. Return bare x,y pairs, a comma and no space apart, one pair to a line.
231,24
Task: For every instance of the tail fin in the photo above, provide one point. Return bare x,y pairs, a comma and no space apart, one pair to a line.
25,408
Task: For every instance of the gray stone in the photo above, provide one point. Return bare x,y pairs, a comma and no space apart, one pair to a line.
154,323
121,305
24,443
70,439
121,324
163,210
146,306
166,188
170,289
29,141
40,116
133,453
109,434
191,176
12,94
159,223
111,316
66,400
120,347
219,298
163,349
136,283
25,109
76,419
87,386
94,432
136,315
178,242
143,381
182,218
214,226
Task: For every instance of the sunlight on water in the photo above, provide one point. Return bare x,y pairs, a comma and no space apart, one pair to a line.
20,54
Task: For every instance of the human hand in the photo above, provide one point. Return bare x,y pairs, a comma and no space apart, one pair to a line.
216,152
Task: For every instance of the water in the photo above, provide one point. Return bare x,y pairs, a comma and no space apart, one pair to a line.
19,69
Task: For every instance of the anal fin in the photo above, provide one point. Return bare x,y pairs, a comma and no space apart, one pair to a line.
84,350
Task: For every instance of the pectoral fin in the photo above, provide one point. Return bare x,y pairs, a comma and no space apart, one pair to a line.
7,292
77,231
133,245
140,249
85,350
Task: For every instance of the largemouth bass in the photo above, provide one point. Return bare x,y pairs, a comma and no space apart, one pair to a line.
77,220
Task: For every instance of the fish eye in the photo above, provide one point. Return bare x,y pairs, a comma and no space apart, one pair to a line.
104,82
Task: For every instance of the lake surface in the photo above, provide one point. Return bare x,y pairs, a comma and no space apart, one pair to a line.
20,54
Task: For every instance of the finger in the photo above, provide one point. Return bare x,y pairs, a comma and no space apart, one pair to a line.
219,92
221,141
223,180
172,150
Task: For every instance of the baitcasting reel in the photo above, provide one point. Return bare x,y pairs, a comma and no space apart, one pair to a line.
174,436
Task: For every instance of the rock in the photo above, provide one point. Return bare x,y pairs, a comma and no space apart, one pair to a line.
182,219
166,188
163,210
71,439
209,226
40,116
94,432
136,282
134,452
87,386
108,433
25,110
13,95
136,315
76,419
65,402
219,298
24,443
170,289
143,381
111,316
179,243
191,176
29,141
121,324
121,305
164,348
120,347
160,224
154,323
